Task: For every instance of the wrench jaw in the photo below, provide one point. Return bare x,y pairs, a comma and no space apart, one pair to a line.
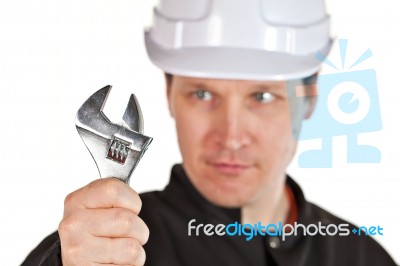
133,115
115,149
90,115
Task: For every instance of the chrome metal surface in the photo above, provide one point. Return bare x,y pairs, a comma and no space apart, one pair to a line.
116,149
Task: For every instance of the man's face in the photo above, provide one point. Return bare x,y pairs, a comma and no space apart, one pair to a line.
235,136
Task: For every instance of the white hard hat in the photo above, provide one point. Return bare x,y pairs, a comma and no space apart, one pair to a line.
239,39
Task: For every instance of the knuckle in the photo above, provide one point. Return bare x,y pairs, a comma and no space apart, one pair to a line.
144,232
124,218
134,249
146,235
68,225
69,253
70,244
69,199
143,259
138,202
111,187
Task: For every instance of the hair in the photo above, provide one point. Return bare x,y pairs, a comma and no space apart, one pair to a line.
310,80
168,78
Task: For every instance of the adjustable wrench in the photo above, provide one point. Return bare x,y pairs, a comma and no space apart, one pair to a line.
116,149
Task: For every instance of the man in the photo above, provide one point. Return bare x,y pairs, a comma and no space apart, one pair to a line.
233,70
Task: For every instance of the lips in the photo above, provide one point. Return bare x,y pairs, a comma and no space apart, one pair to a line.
230,168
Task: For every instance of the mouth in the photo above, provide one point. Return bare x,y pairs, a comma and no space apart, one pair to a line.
230,168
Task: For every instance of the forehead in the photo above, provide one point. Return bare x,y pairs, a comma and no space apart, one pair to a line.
210,82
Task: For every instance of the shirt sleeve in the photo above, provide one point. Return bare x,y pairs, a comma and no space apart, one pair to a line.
47,253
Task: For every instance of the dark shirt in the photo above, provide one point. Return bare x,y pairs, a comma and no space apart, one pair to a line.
168,212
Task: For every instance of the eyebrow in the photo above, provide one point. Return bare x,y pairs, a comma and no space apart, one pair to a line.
268,86
189,86
273,87
197,83
255,86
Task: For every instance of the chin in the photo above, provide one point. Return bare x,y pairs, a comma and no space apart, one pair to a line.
229,191
228,203
224,198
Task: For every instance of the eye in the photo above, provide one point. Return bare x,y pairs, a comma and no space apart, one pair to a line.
264,97
202,95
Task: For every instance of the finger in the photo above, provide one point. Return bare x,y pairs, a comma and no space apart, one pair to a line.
111,222
117,222
118,251
104,193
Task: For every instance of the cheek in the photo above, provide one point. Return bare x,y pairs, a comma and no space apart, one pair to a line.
276,141
191,130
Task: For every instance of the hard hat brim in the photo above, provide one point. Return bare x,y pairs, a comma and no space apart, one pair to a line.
233,63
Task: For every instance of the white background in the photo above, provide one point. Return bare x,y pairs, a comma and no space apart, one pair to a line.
54,54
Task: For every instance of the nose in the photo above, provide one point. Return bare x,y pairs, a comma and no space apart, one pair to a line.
232,125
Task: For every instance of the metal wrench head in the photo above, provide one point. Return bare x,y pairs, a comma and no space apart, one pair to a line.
116,149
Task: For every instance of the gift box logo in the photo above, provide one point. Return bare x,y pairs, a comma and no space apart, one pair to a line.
347,104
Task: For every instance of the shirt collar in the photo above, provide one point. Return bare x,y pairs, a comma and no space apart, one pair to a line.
182,192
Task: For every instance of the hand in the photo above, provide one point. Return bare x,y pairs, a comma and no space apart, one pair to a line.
101,225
